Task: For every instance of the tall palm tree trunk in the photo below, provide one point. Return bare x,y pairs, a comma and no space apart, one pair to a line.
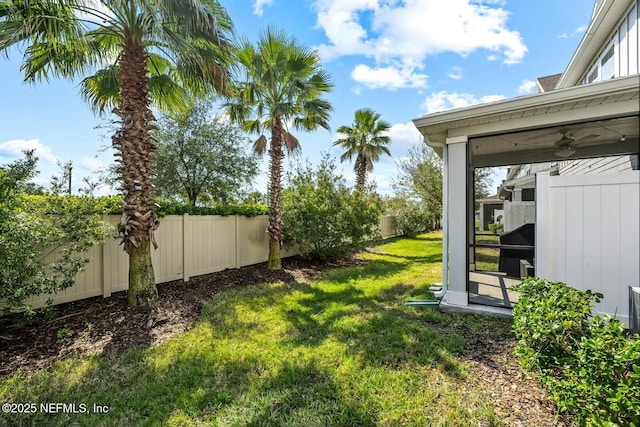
134,147
275,190
361,171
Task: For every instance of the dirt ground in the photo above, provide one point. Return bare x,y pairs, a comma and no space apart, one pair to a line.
110,327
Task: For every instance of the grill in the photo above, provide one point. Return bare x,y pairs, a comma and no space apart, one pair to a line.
515,246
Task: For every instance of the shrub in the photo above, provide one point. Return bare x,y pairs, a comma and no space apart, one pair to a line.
324,217
170,207
496,228
32,228
413,220
589,365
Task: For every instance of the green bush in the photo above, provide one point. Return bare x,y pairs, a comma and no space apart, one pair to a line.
42,238
496,228
52,204
590,366
412,220
324,217
170,207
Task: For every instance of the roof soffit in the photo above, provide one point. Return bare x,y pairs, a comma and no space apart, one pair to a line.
616,97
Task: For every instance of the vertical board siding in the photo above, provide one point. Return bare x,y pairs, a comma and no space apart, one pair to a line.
187,246
633,40
593,236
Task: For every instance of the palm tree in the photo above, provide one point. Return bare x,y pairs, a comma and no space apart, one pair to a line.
365,141
135,52
278,84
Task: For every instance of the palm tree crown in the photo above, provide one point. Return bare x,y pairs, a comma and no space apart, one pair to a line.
131,53
279,84
365,141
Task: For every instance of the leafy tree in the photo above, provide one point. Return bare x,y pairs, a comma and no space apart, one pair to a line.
133,52
482,183
279,83
420,178
201,157
323,216
32,228
61,184
365,141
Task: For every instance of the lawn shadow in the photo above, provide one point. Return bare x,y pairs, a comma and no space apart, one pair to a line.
383,332
299,394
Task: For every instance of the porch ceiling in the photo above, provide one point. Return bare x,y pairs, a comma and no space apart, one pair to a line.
600,118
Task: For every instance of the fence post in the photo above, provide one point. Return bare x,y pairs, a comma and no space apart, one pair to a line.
237,241
104,258
186,248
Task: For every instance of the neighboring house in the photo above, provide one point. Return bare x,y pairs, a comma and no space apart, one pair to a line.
490,211
585,120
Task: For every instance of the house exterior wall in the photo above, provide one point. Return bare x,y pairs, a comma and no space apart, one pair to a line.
619,56
598,165
589,234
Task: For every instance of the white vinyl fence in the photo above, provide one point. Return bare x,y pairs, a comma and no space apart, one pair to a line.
587,235
188,246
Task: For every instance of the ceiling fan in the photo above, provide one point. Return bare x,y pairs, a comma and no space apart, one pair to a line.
566,146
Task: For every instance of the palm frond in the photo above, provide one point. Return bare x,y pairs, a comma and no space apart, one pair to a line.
260,145
291,143
101,90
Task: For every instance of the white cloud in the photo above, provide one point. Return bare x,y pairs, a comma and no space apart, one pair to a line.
258,6
443,100
388,77
404,135
576,33
15,148
527,87
455,73
400,35
91,164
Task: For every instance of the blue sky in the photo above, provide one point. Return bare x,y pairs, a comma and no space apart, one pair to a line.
403,59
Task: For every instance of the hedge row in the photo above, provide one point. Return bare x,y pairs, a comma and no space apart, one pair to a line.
589,365
113,205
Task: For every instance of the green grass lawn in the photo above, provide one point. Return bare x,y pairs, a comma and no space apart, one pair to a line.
340,351
487,258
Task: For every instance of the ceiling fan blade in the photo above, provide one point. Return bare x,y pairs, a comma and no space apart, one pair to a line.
584,139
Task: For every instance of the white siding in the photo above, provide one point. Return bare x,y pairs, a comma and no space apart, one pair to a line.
626,39
593,234
596,165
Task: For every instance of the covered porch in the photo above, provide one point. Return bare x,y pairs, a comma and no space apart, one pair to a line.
588,121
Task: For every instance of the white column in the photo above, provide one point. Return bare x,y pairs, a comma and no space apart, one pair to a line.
457,201
542,231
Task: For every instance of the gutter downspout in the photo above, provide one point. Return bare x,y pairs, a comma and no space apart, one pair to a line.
440,291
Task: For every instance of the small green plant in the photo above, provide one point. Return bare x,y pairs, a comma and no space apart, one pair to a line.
63,336
496,228
590,366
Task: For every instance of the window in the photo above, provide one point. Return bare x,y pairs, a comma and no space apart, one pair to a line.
607,64
604,68
593,74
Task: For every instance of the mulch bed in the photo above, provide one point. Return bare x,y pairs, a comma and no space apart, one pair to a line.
109,327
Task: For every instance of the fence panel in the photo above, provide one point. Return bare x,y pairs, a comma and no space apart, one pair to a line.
187,246
253,240
210,243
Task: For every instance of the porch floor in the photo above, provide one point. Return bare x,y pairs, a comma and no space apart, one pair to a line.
492,289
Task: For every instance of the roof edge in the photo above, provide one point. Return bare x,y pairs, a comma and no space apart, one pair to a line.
537,100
